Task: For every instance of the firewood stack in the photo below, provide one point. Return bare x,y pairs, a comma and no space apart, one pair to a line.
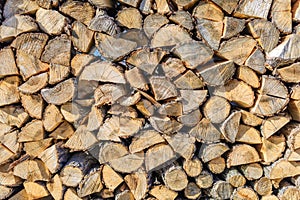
142,99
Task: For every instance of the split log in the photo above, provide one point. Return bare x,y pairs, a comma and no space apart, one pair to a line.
103,23
13,116
217,165
256,61
232,26
95,119
191,119
56,188
227,6
162,88
22,195
269,197
35,190
289,192
111,178
137,183
110,150
208,10
136,79
126,194
7,178
91,183
209,152
50,21
145,107
205,132
33,104
175,179
263,186
235,178
128,163
102,3
52,117
75,169
33,131
81,11
82,37
242,154
272,148
47,4
35,148
79,61
154,22
13,7
252,171
71,194
294,107
130,18
5,191
248,76
250,119
192,167
163,193
281,169
188,52
16,25
216,109
183,19
204,180
32,170
290,73
165,125
123,111
9,93
7,63
281,14
256,9
247,134
230,127
145,139
188,81
221,190
244,193
58,73
162,6
146,7
192,191
273,124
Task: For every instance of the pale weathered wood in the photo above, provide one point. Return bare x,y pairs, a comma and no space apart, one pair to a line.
7,63
290,73
192,167
244,193
250,119
256,61
294,107
248,76
209,152
128,163
162,88
9,93
111,178
13,116
272,148
82,37
192,191
204,180
188,81
227,6
221,190
183,19
275,171
232,26
35,148
263,186
289,192
35,190
13,7
110,150
191,119
217,165
137,183
216,109
175,179
56,188
136,79
208,10
242,154
103,23
235,178
248,135
252,171
154,22
79,61
71,194
33,131
163,193
281,13
230,127
273,124
91,183
165,125
130,18
32,170
145,139
256,8
205,132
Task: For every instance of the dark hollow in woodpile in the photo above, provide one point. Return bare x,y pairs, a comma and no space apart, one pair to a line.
150,99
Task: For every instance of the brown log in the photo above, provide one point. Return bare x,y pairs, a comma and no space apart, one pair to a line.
269,197
56,188
32,170
13,116
289,192
256,9
47,4
204,180
250,119
71,194
79,61
191,119
273,124
9,93
275,171
208,10
217,165
281,13
137,183
192,167
248,135
35,190
221,190
33,131
263,186
165,125
294,107
7,63
192,191
252,171
82,37
130,18
111,178
7,178
244,193
154,22
102,3
106,150
235,178
51,117
33,104
34,84
290,73
242,154
248,76
103,23
232,26
35,148
128,163
163,193
136,79
63,131
216,109
175,179
22,195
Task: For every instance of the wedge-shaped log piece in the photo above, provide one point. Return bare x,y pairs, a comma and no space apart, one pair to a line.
263,186
273,124
133,3
95,119
6,154
162,88
237,49
82,37
227,6
250,119
193,53
286,52
229,128
169,35
163,6
294,107
32,170
137,183
13,116
9,93
218,74
210,31
81,11
216,109
79,61
71,194
188,81
232,26
248,76
13,7
108,94
35,190
145,139
281,14
123,111
256,61
217,165
165,125
7,63
130,18
296,11
209,152
128,163
247,134
22,195
36,148
58,73
191,119
15,25
281,169
172,108
103,23
154,22
241,193
256,9
136,79
265,33
289,192
63,131
111,178
9,179
208,10
113,48
58,51
205,132
102,71
290,73
59,94
292,156
51,117
9,146
252,171
235,178
183,144
272,98
162,192
183,18
51,21
158,156
272,148
55,187
91,183
33,131
242,154
193,167
292,133
175,179
221,190
238,92
184,5
145,59
109,151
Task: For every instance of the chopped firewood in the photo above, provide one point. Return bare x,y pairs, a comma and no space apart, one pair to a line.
216,109
63,131
123,111
103,23
265,33
154,22
10,141
162,88
244,193
128,163
163,193
285,52
272,148
133,3
188,81
210,32
136,79
111,178
217,165
281,14
208,10
175,179
33,131
289,192
242,154
221,190
232,26
35,190
157,156
75,169
22,195
227,6
281,169
169,35
91,183
272,98
71,194
81,11
290,73
56,188
205,132
294,107
130,18
16,25
9,93
248,135
33,104
79,61
237,49
7,63
238,92
191,119
230,127
269,197
250,119
103,3
144,140
162,6
193,53
248,76
263,186
235,178
35,148
5,191
296,11
256,61
82,37
13,7
183,19
110,151
256,9
192,191
108,94
81,139
126,194
57,73
146,60
291,131
209,152
52,117
272,124
192,167
47,4
6,154
165,125
72,112
204,180
32,170
7,178
95,119
58,51
252,171
145,107
137,183
13,116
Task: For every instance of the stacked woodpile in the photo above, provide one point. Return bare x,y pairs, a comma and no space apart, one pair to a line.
150,99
